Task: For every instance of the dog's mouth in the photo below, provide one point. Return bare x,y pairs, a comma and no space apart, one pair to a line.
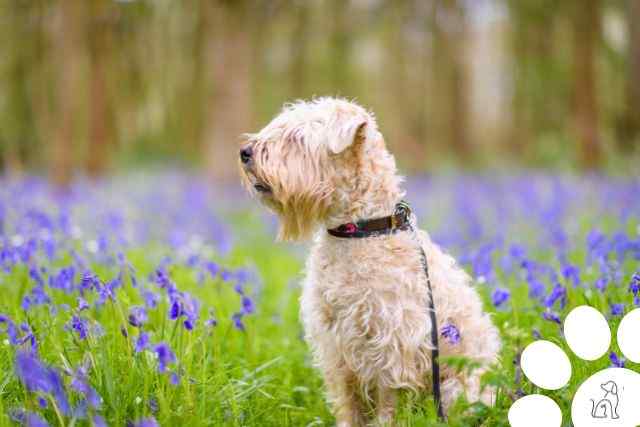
262,188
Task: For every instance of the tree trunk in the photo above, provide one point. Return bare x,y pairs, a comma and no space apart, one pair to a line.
229,57
586,35
631,120
299,45
340,47
100,126
65,42
451,76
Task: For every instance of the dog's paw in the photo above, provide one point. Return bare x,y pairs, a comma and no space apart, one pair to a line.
607,398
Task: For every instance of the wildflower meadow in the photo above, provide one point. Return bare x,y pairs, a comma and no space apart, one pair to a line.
162,299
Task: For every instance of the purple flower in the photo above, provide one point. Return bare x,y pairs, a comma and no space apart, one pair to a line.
601,284
36,376
29,419
80,383
500,296
137,316
142,342
165,356
174,310
98,421
212,268
571,273
146,422
247,305
558,293
211,322
617,309
79,325
551,317
450,333
151,299
82,304
42,402
616,362
634,285
237,321
174,378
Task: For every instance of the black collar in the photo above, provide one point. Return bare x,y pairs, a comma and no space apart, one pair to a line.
399,221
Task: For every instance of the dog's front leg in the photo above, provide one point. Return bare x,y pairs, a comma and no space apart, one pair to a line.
386,400
342,390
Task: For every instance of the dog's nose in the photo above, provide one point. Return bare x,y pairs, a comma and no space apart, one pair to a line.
245,154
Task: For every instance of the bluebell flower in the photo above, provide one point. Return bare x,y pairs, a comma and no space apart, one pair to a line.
500,296
42,402
211,322
79,325
450,333
151,299
551,317
146,422
226,275
247,305
174,310
601,284
634,284
80,383
98,421
212,268
237,321
558,293
82,304
165,356
29,419
36,376
142,342
616,361
137,316
617,309
174,378
571,273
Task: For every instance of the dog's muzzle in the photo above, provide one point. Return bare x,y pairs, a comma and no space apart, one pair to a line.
246,159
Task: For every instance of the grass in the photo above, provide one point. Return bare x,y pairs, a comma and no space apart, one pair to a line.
262,376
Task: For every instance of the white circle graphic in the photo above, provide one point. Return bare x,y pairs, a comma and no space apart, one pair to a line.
535,410
629,335
587,333
546,365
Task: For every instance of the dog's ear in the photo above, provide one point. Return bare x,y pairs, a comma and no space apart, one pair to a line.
343,132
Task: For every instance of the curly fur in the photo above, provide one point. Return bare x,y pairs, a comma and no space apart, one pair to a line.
364,302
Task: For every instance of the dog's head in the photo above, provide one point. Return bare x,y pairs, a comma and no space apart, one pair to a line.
304,162
610,387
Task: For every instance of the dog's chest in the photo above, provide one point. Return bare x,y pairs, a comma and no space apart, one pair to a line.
356,276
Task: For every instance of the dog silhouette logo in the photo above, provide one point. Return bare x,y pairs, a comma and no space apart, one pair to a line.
607,407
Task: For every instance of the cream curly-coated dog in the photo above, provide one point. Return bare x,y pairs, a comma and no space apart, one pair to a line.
364,304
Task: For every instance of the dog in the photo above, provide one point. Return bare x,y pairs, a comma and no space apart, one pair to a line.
319,165
607,407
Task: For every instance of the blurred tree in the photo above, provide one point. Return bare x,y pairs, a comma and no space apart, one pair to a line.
299,45
101,135
18,25
586,26
228,58
450,69
630,132
67,51
539,74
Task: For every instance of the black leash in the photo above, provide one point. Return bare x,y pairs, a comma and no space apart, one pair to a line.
400,221
435,352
